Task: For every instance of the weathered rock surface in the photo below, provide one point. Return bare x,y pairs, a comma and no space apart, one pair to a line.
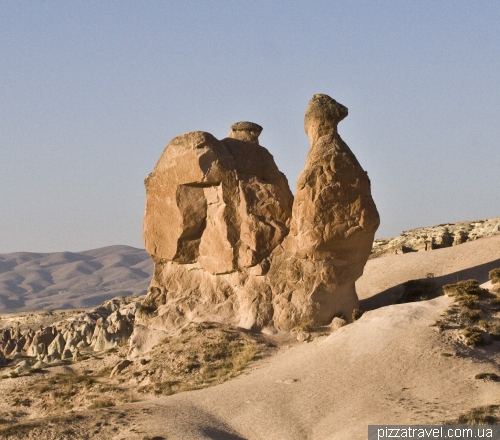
230,244
106,326
215,210
436,237
333,225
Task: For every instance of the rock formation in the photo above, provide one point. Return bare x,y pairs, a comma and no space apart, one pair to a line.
333,225
436,237
106,326
230,244
215,210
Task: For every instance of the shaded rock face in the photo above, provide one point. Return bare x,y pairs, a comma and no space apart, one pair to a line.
231,245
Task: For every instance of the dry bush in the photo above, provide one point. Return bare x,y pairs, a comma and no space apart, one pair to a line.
487,376
102,403
356,314
419,290
473,336
62,386
201,355
468,316
303,325
494,275
482,415
493,329
23,430
464,289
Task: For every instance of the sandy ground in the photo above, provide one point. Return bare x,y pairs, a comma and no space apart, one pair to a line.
391,366
382,279
388,367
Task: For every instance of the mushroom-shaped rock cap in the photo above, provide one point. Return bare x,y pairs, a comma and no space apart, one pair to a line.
323,114
245,131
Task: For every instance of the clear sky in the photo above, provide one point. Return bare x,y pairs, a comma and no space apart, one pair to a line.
91,92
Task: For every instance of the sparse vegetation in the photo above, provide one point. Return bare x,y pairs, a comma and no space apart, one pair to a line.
494,275
22,430
474,313
303,325
420,290
482,415
102,403
464,290
356,314
201,355
468,295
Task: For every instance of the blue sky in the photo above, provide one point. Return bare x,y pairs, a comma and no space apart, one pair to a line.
91,92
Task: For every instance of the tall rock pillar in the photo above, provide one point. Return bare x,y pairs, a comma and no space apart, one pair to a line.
333,224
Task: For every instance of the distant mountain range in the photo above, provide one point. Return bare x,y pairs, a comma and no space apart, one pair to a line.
68,280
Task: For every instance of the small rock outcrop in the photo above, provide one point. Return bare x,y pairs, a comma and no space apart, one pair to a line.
230,244
106,326
436,237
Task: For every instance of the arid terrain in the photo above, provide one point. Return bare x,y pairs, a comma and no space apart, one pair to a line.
71,280
423,361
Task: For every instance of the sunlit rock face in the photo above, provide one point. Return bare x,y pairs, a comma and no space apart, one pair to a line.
230,243
333,224
215,210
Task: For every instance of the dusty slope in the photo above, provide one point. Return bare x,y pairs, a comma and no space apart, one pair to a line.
382,278
388,367
68,280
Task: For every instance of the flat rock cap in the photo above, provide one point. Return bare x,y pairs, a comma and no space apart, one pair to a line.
246,126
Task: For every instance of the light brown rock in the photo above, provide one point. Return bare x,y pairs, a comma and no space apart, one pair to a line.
231,245
215,210
337,323
333,225
436,237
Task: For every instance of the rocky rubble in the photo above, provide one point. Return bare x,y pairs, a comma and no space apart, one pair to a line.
231,244
436,237
107,326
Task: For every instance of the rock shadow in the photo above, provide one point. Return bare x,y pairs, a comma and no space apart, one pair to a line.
219,434
393,294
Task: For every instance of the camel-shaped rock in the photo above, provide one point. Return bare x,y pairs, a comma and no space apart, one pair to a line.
231,244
